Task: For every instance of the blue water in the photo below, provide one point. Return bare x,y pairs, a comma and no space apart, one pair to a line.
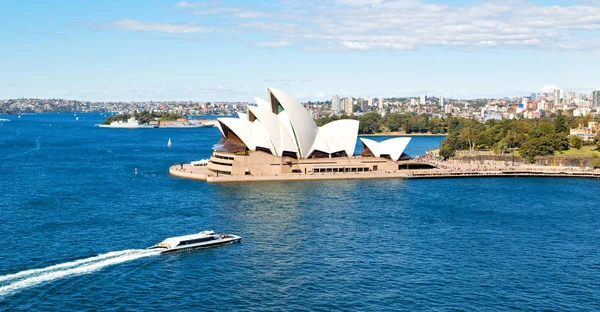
68,193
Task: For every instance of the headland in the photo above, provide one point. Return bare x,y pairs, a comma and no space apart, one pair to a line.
278,140
402,134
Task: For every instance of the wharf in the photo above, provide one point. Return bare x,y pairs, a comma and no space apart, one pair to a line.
440,170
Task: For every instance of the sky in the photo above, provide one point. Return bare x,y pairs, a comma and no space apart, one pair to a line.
113,50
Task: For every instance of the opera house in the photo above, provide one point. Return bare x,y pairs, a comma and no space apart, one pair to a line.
279,138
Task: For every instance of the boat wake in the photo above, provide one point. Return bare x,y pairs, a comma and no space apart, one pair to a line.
13,283
37,147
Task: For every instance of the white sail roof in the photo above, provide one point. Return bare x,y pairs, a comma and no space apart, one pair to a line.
392,147
242,128
304,128
289,128
262,103
261,137
335,130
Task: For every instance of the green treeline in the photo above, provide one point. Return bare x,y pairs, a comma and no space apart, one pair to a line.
371,123
530,137
143,117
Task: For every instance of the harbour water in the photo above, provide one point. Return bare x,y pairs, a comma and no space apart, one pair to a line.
75,218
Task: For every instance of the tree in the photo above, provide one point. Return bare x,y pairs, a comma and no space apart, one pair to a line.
576,141
452,124
393,121
369,123
560,124
543,129
446,151
437,125
597,141
113,118
501,147
494,133
536,147
471,133
469,136
560,141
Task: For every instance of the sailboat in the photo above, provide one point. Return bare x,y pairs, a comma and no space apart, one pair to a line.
169,143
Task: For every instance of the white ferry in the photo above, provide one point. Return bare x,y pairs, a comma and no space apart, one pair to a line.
194,241
131,123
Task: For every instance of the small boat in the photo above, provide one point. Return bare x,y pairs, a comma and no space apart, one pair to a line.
169,143
194,241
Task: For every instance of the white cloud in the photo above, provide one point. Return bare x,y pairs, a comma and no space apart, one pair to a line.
134,25
327,25
274,44
218,8
184,4
549,88
406,25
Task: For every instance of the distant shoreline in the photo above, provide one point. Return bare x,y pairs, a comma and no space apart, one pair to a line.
401,134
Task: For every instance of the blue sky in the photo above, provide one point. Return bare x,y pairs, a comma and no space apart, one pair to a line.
313,49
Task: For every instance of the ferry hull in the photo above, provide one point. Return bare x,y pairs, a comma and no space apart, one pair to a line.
212,244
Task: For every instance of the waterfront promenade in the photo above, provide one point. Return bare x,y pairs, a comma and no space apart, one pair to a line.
440,169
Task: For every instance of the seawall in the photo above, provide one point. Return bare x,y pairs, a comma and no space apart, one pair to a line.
197,173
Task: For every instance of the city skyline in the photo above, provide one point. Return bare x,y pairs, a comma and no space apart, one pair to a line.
232,51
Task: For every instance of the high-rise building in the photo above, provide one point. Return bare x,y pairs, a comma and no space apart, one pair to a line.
533,97
557,96
348,103
370,101
448,109
423,99
596,98
381,102
549,106
335,104
364,105
541,105
441,101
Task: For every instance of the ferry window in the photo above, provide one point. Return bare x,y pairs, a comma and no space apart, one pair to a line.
198,240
